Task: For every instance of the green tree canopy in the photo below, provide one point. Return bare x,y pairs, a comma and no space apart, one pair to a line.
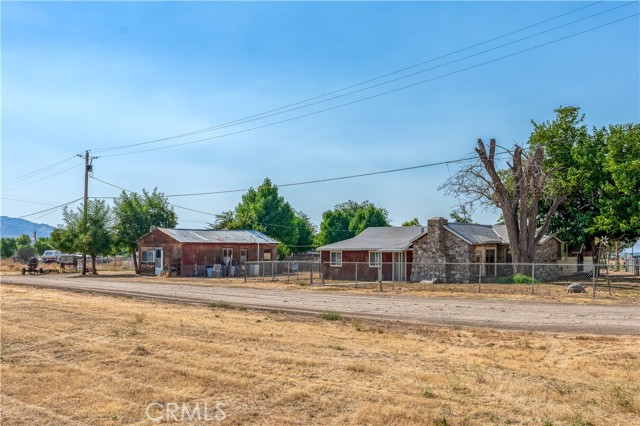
8,247
93,238
135,214
263,209
412,222
348,219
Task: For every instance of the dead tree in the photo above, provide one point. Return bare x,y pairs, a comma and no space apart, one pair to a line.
516,191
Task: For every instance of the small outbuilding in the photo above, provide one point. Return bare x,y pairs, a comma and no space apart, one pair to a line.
197,252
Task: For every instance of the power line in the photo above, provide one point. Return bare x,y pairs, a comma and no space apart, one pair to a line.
52,209
378,94
14,186
35,172
273,111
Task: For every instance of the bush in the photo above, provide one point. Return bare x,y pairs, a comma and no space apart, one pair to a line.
331,316
516,279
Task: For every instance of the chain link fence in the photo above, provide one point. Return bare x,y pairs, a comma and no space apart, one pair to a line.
625,275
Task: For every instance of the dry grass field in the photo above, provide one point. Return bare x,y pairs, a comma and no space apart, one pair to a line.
70,358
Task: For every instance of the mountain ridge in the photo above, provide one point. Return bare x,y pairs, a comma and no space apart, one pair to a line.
14,227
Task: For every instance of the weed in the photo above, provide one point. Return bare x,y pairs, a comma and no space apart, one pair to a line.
338,347
428,393
359,326
142,351
440,422
480,372
622,397
115,332
547,422
139,318
331,316
577,420
221,305
134,331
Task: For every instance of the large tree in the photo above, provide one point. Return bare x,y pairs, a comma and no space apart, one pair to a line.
8,247
135,214
578,184
348,219
93,237
263,209
603,170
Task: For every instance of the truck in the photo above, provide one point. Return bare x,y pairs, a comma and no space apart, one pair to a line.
50,256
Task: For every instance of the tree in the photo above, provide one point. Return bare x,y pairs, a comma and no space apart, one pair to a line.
602,168
224,220
93,238
264,210
135,214
23,240
412,222
24,253
348,219
462,214
8,247
516,191
42,244
306,232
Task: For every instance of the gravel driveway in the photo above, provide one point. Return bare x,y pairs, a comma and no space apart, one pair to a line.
493,313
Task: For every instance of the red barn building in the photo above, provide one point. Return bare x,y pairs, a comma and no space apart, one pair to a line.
190,251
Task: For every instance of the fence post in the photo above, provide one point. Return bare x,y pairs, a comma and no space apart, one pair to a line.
311,274
323,274
593,285
356,274
246,271
380,276
533,280
288,269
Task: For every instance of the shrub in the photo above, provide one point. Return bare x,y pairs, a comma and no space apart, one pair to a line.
331,316
516,279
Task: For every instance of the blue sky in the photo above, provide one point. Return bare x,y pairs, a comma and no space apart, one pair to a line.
79,76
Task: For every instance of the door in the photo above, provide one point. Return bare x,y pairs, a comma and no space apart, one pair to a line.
400,266
490,261
157,259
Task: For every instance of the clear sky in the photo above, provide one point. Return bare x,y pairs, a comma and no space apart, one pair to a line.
79,76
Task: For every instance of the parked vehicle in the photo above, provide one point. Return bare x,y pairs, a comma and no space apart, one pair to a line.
50,256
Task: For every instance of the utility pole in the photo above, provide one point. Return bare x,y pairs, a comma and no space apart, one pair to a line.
86,199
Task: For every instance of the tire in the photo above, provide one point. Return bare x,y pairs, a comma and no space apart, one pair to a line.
24,271
41,271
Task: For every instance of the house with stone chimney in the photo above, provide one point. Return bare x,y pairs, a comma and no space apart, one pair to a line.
459,252
446,252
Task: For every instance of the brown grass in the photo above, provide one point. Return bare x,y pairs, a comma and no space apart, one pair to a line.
77,358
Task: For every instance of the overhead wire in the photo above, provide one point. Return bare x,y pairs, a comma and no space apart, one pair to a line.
377,95
51,209
270,112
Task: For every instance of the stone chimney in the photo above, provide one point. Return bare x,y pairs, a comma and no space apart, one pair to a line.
436,236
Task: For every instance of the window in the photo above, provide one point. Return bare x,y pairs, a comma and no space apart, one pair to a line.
336,258
147,255
243,255
267,255
375,259
227,252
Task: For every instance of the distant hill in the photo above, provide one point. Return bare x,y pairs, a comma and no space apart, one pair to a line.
12,227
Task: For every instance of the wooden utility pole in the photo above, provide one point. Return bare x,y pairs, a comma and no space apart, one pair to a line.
86,199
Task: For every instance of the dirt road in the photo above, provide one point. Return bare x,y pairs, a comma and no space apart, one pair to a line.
493,313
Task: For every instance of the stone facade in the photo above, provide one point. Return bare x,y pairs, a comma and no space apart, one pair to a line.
445,257
441,256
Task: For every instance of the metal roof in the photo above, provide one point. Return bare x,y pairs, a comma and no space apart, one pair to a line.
211,237
474,234
388,238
